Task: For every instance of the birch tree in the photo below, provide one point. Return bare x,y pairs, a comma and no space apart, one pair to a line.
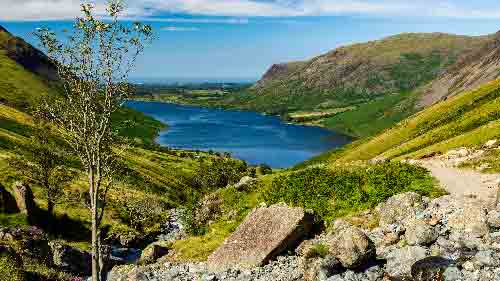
94,60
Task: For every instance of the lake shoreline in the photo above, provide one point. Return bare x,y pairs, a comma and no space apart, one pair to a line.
248,135
310,124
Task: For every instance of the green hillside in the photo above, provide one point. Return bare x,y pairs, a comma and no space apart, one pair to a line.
468,119
149,173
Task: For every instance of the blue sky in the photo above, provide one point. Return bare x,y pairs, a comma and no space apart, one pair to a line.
241,38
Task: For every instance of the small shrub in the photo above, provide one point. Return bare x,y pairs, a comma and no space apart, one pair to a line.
141,213
218,173
317,251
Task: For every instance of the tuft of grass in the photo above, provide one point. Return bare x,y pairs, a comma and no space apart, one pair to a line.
318,251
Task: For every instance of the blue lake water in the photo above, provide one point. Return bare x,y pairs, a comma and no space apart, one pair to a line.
250,136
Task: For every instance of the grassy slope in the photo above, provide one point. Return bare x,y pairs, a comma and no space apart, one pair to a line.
468,119
151,172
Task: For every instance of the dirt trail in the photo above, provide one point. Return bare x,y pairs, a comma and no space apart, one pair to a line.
463,182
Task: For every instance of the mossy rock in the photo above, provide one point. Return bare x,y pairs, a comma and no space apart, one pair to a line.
154,251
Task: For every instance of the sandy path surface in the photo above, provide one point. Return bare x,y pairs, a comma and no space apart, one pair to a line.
463,182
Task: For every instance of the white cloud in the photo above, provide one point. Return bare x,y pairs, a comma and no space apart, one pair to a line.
43,9
179,28
238,9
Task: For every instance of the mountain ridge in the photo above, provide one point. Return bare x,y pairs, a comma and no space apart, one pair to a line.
26,55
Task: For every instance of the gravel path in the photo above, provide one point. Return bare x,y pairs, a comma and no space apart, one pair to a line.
463,182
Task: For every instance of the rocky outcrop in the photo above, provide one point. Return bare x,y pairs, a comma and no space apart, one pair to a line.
30,242
70,259
24,199
469,72
265,233
153,252
350,245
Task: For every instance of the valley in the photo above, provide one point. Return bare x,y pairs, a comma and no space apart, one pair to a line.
387,170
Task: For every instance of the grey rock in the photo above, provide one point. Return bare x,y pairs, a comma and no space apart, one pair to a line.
452,274
486,258
471,218
400,208
494,219
265,233
245,183
153,252
350,245
420,233
320,268
430,268
70,259
400,261
24,199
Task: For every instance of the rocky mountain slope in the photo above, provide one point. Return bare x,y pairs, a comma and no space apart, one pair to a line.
469,72
370,86
374,66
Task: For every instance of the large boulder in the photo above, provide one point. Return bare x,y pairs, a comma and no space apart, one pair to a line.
350,245
7,202
400,208
153,252
420,233
320,268
470,217
430,268
71,259
24,199
400,261
265,233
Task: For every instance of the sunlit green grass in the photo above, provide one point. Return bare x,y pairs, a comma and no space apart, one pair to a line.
468,119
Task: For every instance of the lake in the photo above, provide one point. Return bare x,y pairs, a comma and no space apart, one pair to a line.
250,136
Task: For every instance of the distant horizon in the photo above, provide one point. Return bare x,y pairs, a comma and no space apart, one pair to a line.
186,80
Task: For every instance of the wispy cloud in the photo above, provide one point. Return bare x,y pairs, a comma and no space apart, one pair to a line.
238,10
179,28
218,20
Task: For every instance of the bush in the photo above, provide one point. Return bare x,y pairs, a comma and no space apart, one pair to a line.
218,173
141,212
335,193
188,215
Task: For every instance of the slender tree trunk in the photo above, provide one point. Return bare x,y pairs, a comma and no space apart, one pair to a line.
95,234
